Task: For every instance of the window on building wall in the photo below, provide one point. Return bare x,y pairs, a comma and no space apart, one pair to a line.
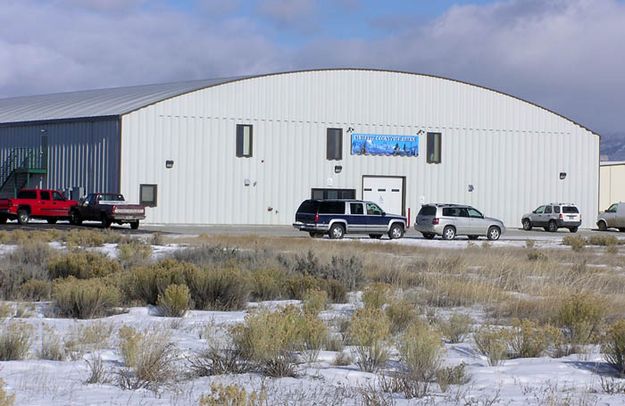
244,140
333,194
434,148
334,144
148,195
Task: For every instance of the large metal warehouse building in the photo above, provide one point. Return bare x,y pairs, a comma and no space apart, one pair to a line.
248,150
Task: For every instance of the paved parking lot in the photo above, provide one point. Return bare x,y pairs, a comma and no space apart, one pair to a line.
512,234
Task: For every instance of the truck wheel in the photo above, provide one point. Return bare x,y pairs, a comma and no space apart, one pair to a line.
23,216
337,232
74,218
106,222
602,225
428,236
396,231
51,221
573,229
315,234
553,227
134,224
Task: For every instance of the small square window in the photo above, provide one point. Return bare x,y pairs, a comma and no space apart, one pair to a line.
434,148
147,195
244,140
334,144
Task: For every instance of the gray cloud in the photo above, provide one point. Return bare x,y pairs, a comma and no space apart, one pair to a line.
299,15
563,54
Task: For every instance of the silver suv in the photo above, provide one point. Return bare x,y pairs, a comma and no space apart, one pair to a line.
553,216
450,220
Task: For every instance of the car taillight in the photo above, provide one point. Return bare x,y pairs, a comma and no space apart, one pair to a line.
435,220
317,217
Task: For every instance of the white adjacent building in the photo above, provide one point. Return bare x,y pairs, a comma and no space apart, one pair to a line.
248,150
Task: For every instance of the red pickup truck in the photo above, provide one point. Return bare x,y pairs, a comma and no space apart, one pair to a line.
44,204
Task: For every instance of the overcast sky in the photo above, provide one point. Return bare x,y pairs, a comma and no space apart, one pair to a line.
567,55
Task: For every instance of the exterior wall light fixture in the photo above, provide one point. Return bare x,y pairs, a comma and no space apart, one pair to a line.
562,175
169,164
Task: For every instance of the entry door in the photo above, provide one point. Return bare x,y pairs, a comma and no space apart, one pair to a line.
387,192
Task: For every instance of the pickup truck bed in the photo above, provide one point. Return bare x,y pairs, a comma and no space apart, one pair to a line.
107,208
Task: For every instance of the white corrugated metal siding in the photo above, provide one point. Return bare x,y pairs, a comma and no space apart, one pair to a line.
511,151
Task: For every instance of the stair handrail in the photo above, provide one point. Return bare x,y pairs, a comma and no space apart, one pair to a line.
20,158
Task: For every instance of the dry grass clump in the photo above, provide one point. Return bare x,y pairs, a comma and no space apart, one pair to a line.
270,340
314,301
90,238
20,236
451,291
149,356
613,346
456,327
14,340
147,282
376,295
28,261
35,290
89,337
493,343
576,242
175,301
83,265
401,313
530,340
219,289
603,240
348,271
6,399
369,331
52,347
84,299
579,316
133,252
421,350
268,284
233,395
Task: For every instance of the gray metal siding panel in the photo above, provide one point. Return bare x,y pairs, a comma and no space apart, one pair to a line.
511,151
81,153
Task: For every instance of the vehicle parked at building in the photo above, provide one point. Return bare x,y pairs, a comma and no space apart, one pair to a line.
451,220
553,216
337,217
612,217
46,204
107,208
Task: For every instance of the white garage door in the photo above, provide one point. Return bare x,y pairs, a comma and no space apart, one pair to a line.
387,192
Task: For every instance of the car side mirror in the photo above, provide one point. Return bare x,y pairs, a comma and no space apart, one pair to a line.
384,213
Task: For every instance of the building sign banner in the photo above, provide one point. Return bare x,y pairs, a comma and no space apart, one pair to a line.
390,145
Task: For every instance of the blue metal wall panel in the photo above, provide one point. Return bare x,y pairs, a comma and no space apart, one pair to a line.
80,153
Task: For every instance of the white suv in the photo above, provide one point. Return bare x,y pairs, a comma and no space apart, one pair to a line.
553,216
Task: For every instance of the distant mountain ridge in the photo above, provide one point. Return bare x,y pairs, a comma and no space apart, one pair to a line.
613,147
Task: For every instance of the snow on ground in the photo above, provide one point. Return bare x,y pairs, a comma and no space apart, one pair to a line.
575,379
515,382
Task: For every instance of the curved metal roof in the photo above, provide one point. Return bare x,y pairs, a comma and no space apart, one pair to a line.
122,100
95,103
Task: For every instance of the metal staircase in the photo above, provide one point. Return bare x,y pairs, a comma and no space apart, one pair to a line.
20,166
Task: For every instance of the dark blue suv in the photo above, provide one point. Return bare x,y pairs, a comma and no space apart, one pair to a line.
339,217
